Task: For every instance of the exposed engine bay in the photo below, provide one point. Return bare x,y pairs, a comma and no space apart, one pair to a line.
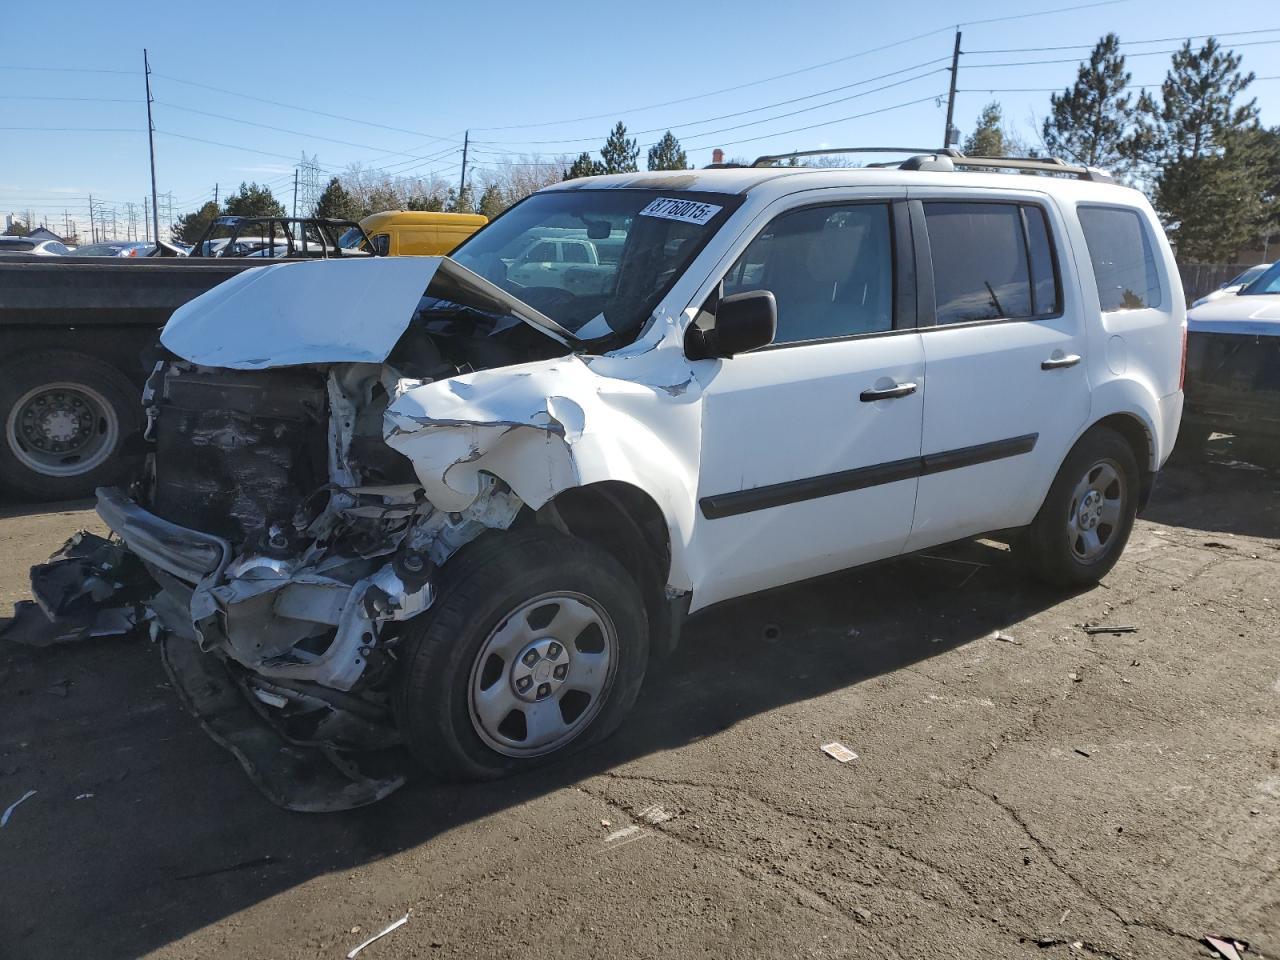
275,530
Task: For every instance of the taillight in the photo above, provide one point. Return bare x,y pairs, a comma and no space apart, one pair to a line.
1182,373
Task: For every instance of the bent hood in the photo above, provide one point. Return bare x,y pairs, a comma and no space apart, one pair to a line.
1251,315
328,311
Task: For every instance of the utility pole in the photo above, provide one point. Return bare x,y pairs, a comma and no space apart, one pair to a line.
146,224
151,140
951,97
295,193
462,183
93,234
215,194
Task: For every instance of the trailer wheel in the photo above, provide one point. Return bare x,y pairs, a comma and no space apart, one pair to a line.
65,419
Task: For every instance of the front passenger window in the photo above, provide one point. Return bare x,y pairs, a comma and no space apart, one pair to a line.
829,268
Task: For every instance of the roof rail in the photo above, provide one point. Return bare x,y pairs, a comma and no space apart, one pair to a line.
769,159
948,159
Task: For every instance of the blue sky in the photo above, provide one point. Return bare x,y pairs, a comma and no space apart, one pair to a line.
520,76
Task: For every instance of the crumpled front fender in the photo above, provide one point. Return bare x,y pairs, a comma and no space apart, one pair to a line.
548,426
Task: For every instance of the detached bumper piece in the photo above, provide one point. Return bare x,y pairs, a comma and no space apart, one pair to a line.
89,588
298,777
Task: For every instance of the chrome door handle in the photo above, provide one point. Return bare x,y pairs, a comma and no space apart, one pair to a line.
888,393
1060,363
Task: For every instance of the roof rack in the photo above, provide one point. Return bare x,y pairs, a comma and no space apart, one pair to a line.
949,159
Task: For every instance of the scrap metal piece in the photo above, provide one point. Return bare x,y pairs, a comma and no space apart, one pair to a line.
297,778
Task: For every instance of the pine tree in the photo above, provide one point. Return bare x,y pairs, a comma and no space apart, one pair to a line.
492,202
618,153
252,200
988,139
584,166
1206,189
430,202
667,154
191,227
1091,122
463,201
335,202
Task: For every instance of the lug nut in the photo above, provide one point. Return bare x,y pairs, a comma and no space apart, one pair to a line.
561,671
523,684
553,651
544,690
530,658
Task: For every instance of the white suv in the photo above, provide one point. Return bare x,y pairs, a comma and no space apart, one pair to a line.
462,511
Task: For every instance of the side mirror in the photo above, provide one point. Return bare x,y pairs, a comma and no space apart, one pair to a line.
743,321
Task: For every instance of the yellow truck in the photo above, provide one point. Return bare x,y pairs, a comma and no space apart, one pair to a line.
408,233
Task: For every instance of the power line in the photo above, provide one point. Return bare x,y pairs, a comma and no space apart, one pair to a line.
296,133
1144,53
128,73
75,99
77,129
798,71
1058,89
739,113
320,113
1126,43
826,123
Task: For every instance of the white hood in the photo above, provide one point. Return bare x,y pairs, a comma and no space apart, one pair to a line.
1252,315
327,311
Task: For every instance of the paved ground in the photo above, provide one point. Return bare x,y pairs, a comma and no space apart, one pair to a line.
1050,795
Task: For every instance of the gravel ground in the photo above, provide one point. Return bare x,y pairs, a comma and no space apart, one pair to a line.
1047,794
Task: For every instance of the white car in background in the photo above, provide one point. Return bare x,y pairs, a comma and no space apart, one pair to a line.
1233,370
37,248
1235,284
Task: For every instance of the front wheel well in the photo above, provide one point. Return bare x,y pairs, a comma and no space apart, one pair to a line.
626,522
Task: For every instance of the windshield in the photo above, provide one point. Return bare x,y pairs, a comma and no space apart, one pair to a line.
595,261
352,239
1269,282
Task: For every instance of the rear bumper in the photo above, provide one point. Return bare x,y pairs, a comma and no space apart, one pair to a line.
189,555
1170,413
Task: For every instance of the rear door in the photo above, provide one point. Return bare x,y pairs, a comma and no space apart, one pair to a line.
1007,388
810,447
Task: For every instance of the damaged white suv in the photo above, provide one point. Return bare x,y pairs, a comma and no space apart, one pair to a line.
412,500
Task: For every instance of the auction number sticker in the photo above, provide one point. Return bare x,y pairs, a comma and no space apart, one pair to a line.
689,211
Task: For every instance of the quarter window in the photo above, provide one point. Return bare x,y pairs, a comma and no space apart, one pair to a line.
981,262
1124,264
829,268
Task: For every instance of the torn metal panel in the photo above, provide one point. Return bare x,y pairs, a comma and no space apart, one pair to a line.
547,426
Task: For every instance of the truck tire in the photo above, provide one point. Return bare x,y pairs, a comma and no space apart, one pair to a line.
64,420
536,647
1085,521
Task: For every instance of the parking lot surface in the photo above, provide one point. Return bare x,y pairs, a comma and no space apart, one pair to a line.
1022,787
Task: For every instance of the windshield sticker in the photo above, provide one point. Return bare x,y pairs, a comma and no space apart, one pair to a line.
689,211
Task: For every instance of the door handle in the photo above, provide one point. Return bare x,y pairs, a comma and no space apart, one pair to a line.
887,393
1060,363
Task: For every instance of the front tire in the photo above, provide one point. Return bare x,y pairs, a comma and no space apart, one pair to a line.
1085,521
537,647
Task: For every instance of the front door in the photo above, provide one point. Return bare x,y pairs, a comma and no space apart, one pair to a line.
1007,386
810,447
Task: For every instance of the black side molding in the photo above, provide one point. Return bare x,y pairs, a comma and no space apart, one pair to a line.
719,505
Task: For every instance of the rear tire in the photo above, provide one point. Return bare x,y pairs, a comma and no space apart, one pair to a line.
1087,516
64,420
536,648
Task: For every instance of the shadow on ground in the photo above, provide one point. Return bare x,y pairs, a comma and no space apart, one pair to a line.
175,838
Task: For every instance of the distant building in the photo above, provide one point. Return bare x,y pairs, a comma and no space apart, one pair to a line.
44,233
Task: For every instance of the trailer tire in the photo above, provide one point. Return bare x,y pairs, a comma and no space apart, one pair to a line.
64,421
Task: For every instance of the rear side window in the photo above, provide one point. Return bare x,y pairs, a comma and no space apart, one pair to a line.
982,265
1124,263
